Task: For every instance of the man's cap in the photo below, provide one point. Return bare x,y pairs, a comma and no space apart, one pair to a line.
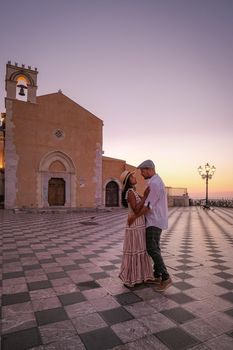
146,164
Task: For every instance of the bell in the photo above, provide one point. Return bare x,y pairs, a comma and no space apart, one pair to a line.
22,87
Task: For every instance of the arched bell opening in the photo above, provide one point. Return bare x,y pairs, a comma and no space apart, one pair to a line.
22,88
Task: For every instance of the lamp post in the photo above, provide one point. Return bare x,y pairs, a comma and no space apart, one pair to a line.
206,173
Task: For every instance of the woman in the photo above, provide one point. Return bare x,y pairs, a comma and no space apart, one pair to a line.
136,264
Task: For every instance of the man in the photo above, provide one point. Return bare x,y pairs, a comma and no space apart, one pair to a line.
155,210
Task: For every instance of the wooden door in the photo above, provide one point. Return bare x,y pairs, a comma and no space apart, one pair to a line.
56,191
112,194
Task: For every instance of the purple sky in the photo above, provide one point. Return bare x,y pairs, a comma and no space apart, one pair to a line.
158,72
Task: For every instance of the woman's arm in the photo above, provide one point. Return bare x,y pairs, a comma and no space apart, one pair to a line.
137,207
134,216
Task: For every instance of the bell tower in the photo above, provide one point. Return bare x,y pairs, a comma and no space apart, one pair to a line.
21,80
20,84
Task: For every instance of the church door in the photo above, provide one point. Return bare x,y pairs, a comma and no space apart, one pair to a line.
56,191
112,195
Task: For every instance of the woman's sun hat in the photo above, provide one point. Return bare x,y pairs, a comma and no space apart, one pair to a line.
124,177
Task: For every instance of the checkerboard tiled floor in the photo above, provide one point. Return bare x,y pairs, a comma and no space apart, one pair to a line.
60,289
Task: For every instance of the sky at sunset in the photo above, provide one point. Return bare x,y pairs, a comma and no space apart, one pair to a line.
159,73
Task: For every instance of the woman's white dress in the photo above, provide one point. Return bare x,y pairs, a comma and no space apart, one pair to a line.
136,264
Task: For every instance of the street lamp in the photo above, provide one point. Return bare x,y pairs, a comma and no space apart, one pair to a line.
206,173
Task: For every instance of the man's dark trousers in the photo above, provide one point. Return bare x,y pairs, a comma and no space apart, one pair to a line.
153,248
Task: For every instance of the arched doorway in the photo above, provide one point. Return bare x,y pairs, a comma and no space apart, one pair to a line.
56,191
56,180
112,194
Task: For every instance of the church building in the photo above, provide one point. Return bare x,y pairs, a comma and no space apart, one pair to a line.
51,151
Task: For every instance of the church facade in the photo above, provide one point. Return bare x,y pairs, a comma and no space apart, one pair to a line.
51,150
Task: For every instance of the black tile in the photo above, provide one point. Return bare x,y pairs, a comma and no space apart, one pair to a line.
183,275
216,255
71,298
184,255
127,298
39,285
9,275
226,284
50,246
93,255
89,223
182,285
180,298
99,251
116,315
230,334
178,314
21,340
70,267
88,285
98,275
109,267
47,261
103,338
27,255
227,296
31,267
184,261
10,260
70,250
176,339
59,255
58,274
221,267
223,275
184,267
50,316
10,250
229,312
115,261
81,261
10,299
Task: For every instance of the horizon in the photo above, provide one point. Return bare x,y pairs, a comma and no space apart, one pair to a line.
159,75
213,195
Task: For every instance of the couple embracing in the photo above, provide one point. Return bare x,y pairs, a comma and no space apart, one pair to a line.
147,217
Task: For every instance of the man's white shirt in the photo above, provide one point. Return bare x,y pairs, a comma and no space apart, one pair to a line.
158,214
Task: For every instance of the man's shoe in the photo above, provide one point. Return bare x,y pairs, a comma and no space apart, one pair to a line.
164,285
156,280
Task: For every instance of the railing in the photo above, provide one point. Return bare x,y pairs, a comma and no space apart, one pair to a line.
218,202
